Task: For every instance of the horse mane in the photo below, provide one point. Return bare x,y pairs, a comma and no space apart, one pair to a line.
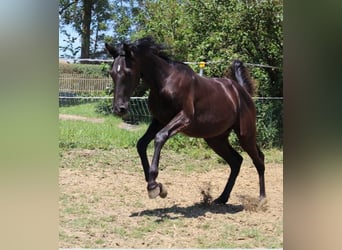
239,73
147,45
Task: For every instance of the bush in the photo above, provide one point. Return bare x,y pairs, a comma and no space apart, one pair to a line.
269,123
98,70
104,107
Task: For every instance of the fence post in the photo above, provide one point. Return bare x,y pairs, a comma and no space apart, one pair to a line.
201,65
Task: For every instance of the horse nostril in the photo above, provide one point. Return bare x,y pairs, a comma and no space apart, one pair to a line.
122,109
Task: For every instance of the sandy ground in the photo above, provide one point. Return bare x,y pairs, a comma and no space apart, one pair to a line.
104,203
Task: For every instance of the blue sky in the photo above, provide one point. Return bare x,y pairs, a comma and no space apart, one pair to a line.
76,44
62,37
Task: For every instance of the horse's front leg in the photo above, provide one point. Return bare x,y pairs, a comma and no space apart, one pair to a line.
143,142
179,122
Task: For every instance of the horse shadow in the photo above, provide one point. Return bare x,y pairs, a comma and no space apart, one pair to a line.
194,211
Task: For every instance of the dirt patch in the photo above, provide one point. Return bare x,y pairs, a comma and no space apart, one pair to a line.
128,127
104,204
80,118
122,125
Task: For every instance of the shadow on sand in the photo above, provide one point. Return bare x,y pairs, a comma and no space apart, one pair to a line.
193,211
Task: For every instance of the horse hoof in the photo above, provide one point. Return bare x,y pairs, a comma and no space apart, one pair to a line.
219,201
262,202
163,191
262,197
154,192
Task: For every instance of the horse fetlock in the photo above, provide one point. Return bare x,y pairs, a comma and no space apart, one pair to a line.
220,200
262,197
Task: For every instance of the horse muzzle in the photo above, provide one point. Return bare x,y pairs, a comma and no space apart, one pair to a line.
120,110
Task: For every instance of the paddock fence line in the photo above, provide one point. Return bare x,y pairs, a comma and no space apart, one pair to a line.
85,88
199,63
77,89
83,83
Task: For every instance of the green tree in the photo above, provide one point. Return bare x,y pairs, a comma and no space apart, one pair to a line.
85,16
216,30
166,22
123,16
258,36
249,30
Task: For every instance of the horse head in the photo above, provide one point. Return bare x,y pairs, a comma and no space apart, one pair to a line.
125,74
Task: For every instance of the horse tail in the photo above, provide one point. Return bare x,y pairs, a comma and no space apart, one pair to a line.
238,72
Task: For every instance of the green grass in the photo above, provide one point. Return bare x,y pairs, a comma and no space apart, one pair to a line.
88,135
87,110
273,155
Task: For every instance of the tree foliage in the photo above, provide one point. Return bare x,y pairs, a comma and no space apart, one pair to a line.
89,18
216,30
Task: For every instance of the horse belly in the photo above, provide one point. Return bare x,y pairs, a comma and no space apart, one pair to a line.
210,125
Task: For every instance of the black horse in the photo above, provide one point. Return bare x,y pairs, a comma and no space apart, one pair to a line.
182,101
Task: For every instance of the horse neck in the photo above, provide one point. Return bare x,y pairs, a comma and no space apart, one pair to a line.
154,72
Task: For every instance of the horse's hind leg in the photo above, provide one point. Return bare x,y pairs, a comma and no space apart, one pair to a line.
222,147
248,143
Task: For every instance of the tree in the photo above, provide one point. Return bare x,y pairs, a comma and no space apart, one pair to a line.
85,30
166,22
217,30
261,41
85,16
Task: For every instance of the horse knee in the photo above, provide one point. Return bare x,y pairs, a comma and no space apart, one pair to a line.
235,165
141,146
239,159
235,169
161,137
236,161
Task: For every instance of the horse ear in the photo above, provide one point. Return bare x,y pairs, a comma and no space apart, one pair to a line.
113,51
